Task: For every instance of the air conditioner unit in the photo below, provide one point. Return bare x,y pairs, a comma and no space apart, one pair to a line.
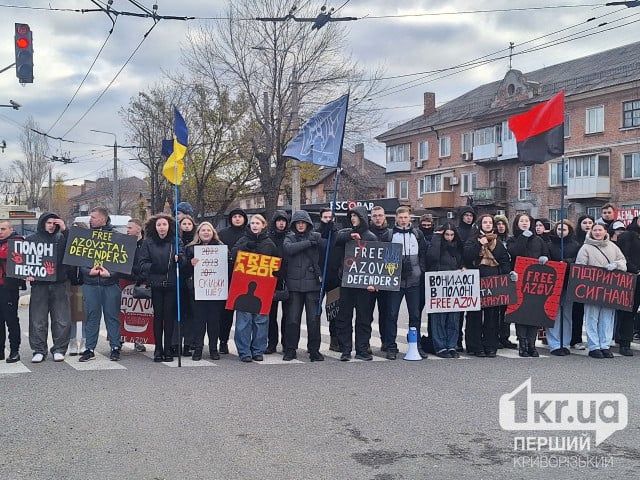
466,156
453,180
450,215
418,164
500,212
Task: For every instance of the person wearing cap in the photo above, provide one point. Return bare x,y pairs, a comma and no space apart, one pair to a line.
543,228
617,228
184,208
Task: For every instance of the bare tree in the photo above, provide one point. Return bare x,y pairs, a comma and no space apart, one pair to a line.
32,170
263,61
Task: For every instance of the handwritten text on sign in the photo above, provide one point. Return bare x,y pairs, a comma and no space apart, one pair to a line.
496,290
452,291
375,264
595,285
31,259
252,283
99,248
210,274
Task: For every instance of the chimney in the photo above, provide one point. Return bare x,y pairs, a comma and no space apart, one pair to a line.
359,156
429,103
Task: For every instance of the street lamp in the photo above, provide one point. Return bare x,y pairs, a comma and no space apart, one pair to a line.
116,190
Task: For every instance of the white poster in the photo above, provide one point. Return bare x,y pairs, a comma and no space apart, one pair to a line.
452,291
211,273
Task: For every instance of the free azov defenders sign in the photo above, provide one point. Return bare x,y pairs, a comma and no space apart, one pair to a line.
452,291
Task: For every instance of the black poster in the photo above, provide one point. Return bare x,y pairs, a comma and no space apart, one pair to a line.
599,286
32,258
376,264
92,248
497,290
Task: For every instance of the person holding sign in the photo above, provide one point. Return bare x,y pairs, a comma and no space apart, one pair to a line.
445,254
485,252
525,243
629,243
9,294
252,329
206,313
49,297
599,251
158,262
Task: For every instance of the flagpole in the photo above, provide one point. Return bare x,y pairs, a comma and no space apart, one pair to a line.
562,245
177,240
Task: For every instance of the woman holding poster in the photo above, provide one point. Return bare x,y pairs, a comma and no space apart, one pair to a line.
206,313
525,244
485,252
599,251
445,254
252,329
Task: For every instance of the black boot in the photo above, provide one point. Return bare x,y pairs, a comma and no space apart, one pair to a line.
197,354
157,355
186,351
523,351
531,349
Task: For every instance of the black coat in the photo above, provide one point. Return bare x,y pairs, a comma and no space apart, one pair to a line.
302,253
59,239
521,246
472,257
250,242
443,255
569,249
157,263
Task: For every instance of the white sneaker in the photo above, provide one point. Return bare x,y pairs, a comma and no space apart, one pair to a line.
58,357
37,358
73,348
83,345
580,346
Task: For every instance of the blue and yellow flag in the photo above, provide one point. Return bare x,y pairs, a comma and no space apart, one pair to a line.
320,140
174,166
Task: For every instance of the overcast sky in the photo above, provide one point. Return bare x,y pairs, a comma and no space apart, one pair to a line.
404,42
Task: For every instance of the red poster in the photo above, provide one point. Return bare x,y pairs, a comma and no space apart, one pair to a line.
136,316
252,283
538,289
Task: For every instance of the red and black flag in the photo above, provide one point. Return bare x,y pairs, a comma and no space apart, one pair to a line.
540,131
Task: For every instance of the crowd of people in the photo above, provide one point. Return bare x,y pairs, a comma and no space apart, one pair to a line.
312,261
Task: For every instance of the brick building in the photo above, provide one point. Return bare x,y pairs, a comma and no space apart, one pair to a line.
134,194
463,152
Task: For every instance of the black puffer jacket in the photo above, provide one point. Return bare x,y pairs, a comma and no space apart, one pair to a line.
230,235
629,243
344,235
444,255
570,248
59,239
260,243
157,262
302,254
521,246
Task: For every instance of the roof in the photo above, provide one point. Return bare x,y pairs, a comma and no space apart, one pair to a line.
373,173
600,70
101,189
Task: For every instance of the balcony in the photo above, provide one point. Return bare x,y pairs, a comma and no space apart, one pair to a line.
588,187
393,167
490,195
438,200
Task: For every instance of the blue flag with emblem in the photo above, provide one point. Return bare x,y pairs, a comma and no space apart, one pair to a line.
320,140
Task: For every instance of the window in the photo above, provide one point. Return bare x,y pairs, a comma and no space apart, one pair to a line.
524,183
495,177
555,214
555,173
485,136
594,211
423,150
632,165
404,190
391,188
631,114
398,153
595,120
432,183
567,126
466,142
468,181
445,147
580,167
506,133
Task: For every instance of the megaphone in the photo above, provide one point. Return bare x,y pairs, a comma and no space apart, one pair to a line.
412,353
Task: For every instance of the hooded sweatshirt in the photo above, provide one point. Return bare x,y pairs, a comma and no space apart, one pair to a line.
231,234
302,253
59,239
344,235
465,229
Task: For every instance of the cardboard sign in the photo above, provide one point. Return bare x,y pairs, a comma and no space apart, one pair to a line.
211,273
91,248
598,286
452,291
538,289
136,316
497,290
376,264
252,283
332,304
76,304
32,258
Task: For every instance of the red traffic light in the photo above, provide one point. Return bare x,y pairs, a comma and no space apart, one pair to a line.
22,42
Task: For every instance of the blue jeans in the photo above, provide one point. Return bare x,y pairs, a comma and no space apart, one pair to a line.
444,327
562,318
252,331
412,298
599,326
99,300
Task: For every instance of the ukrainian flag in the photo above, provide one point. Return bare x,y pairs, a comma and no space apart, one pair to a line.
174,166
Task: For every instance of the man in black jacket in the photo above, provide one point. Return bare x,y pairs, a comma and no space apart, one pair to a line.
278,229
380,229
328,231
9,294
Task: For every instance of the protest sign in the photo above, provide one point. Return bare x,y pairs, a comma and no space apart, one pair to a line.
598,286
496,290
31,258
376,264
332,304
452,291
252,283
93,248
538,289
211,273
136,316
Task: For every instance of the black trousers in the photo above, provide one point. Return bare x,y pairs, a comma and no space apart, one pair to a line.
226,321
297,301
273,324
207,315
527,332
504,327
359,299
577,319
165,311
186,319
481,332
9,317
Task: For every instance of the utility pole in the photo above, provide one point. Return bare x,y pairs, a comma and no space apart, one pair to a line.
295,170
116,187
64,160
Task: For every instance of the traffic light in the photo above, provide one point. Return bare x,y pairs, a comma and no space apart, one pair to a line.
24,53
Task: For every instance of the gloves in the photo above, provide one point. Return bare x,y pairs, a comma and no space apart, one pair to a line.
610,266
542,260
527,233
513,276
252,245
313,242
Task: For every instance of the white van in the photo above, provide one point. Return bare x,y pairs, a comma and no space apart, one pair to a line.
119,222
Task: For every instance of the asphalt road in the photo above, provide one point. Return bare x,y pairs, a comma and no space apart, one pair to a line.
380,420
